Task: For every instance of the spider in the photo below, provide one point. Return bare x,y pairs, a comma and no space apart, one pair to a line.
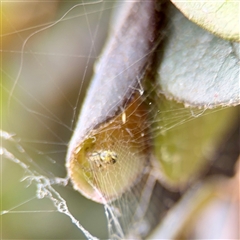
103,158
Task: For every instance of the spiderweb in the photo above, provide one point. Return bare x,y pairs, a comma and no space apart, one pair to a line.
46,65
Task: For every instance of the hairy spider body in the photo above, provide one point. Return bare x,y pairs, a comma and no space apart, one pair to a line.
103,158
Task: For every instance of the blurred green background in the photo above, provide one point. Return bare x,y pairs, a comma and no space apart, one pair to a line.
45,69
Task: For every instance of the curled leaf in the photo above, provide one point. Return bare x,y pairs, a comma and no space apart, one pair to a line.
112,157
109,149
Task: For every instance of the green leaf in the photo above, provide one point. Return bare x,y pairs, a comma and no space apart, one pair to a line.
198,68
183,152
218,17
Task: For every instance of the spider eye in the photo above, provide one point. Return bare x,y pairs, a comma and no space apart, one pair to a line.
113,160
114,157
